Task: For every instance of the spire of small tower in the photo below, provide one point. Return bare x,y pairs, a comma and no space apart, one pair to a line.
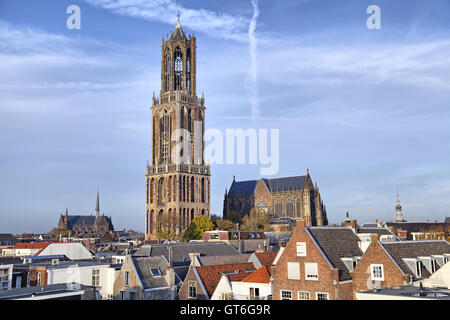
398,211
97,205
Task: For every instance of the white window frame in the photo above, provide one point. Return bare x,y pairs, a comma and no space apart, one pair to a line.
324,293
189,289
293,266
127,278
281,294
372,273
419,268
95,277
305,293
301,249
38,281
310,275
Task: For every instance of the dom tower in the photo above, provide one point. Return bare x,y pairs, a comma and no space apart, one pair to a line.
177,180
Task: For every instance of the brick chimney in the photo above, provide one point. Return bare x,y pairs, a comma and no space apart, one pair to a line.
301,223
375,237
170,276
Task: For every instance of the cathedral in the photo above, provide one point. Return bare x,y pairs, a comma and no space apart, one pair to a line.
177,180
294,197
82,225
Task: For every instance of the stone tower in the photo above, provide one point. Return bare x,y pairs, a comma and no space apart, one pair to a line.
177,180
398,211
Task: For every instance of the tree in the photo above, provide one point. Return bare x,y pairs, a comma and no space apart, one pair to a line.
59,232
214,218
225,225
167,227
233,216
197,228
257,220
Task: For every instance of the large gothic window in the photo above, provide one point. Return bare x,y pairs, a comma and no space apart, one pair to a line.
188,70
164,129
178,76
167,71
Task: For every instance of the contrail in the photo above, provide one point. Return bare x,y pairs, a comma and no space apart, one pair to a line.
253,76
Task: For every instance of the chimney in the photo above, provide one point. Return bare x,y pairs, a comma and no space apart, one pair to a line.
301,223
194,259
170,276
378,223
375,237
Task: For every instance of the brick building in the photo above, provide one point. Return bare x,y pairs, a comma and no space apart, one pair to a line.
294,197
315,264
398,263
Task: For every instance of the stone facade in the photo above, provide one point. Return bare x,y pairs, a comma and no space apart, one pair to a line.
293,197
178,180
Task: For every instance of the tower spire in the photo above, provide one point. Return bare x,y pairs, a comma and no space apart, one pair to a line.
97,205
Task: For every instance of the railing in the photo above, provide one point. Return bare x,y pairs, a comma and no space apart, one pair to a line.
185,168
177,96
245,297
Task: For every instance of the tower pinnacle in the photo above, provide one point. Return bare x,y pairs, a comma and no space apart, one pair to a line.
97,205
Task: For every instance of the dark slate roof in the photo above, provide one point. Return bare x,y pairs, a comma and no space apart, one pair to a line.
242,188
40,291
217,260
7,237
337,243
410,227
143,266
413,249
379,231
178,33
180,253
447,220
10,260
286,183
88,220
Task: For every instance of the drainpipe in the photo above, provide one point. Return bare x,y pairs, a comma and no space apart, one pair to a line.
335,289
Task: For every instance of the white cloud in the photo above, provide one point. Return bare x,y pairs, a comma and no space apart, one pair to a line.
213,23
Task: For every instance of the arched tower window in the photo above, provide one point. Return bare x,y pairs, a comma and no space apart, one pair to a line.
192,189
167,71
189,121
188,70
161,190
203,190
178,69
164,129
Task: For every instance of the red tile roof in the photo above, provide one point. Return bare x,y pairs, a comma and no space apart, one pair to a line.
31,245
266,258
262,275
210,275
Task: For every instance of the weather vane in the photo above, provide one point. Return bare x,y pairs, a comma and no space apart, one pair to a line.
178,15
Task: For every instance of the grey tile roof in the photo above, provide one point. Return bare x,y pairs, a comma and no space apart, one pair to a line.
216,260
379,231
337,243
145,264
10,260
410,227
81,220
180,253
42,290
413,249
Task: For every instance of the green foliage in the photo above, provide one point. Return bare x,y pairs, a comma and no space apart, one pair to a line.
233,216
257,220
197,228
57,232
225,225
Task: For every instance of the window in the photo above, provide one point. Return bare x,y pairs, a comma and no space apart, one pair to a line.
121,295
286,295
192,290
155,272
214,236
303,295
28,279
127,278
293,270
132,296
254,293
419,269
377,272
433,266
311,271
95,278
321,296
38,283
4,279
301,249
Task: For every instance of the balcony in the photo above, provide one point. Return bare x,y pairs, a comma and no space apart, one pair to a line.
183,168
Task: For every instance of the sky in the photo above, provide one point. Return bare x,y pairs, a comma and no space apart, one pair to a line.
367,111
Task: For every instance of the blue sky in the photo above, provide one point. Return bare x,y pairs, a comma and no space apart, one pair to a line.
367,111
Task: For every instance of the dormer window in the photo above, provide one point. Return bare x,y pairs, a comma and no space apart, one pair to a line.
155,271
377,272
419,268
